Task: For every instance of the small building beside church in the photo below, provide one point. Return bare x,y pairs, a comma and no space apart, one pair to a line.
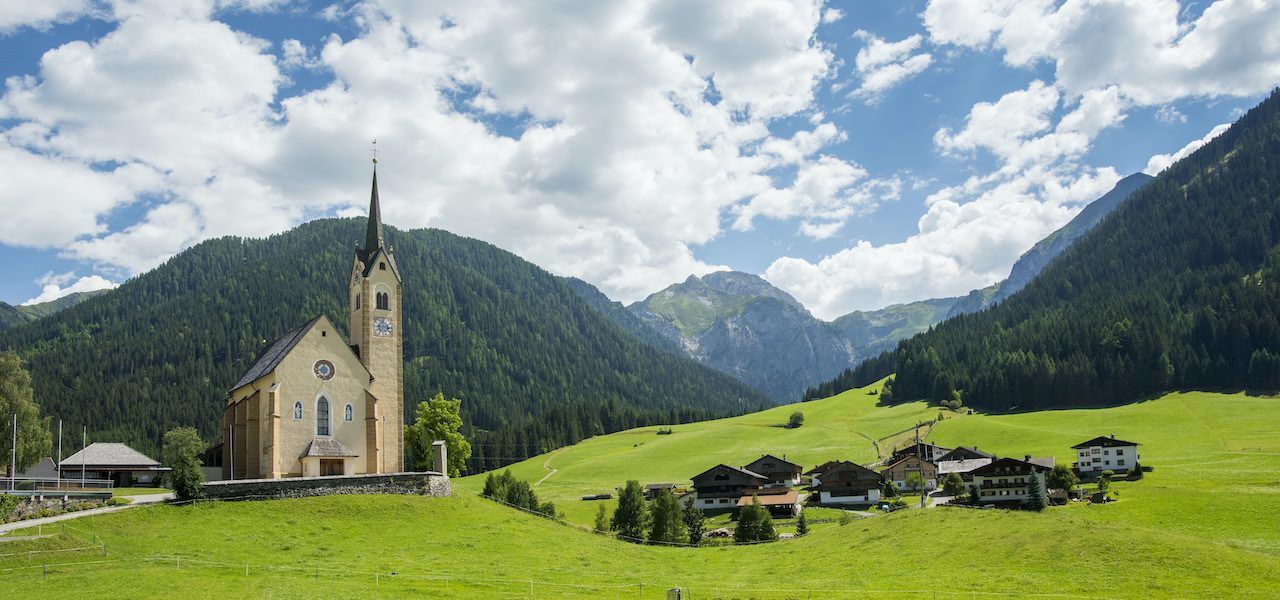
314,403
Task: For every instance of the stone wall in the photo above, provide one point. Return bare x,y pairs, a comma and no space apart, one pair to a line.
423,484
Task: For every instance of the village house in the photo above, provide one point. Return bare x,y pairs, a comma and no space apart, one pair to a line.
779,471
815,473
652,490
924,450
1007,480
898,472
721,486
847,483
124,466
962,461
1105,454
783,506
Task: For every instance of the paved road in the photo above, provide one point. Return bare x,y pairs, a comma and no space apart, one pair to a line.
135,501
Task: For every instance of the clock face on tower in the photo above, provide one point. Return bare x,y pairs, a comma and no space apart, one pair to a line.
382,327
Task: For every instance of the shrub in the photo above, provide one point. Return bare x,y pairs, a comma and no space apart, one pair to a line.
1061,478
953,485
796,420
602,520
843,519
8,505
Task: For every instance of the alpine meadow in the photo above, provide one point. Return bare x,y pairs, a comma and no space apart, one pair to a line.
653,299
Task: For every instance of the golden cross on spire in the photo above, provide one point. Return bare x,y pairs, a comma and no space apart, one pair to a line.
375,151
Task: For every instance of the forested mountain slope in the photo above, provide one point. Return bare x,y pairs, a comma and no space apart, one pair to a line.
12,316
1176,289
536,367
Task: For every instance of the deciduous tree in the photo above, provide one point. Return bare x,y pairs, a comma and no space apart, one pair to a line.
34,438
631,518
182,448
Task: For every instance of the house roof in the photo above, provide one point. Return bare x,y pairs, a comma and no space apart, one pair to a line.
109,454
961,466
327,448
904,459
1105,442
1047,462
964,453
915,447
990,469
824,467
44,468
659,486
791,497
738,470
782,461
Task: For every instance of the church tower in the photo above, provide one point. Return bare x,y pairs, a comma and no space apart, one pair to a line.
376,334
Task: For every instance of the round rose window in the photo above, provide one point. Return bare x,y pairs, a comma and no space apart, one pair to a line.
324,370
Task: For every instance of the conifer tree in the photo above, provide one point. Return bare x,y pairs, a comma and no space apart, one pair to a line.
1037,499
602,519
631,518
667,524
802,525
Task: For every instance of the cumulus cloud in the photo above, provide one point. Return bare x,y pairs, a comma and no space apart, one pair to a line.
1141,46
883,65
65,284
40,14
1160,162
639,126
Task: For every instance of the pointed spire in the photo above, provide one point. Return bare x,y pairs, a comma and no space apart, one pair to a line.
373,235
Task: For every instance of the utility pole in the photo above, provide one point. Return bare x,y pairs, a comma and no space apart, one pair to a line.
13,456
84,443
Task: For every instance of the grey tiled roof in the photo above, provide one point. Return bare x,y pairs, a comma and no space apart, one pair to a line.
109,454
327,448
270,357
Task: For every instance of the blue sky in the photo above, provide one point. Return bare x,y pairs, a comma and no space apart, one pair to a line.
855,154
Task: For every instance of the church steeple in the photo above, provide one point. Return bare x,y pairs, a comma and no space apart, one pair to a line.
373,235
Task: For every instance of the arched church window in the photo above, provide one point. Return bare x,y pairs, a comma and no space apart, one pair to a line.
384,301
297,410
382,266
347,413
357,301
322,416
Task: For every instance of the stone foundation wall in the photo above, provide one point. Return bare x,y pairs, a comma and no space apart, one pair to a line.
422,484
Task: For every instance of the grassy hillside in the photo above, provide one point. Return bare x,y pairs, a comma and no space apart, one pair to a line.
1204,521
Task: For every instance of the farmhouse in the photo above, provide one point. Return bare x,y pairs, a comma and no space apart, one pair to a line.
815,474
652,490
1105,454
721,486
898,472
311,404
779,471
847,483
119,463
963,461
784,505
1006,480
925,450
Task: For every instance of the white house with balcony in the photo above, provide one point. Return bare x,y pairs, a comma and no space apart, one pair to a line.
1105,454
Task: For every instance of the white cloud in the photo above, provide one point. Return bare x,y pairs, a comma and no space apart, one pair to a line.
883,65
643,124
825,193
1160,162
832,14
1170,114
53,286
1140,46
1004,125
40,14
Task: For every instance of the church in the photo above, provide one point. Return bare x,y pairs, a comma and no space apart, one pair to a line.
313,404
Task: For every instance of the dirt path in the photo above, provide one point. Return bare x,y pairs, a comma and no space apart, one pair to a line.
134,501
546,464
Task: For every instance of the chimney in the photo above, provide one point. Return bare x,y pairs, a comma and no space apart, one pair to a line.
440,455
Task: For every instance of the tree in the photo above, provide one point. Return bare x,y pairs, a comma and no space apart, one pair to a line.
631,518
438,419
34,438
1061,478
888,489
182,448
695,523
796,420
953,485
802,525
667,523
602,519
755,524
1036,497
1104,482
915,481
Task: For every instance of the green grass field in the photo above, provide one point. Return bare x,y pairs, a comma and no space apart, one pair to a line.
1205,523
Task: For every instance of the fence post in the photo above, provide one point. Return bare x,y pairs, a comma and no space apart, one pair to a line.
377,581
246,569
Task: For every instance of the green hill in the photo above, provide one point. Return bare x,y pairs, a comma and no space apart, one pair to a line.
12,316
535,366
1176,289
1202,522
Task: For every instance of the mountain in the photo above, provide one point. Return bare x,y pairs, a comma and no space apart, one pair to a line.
876,330
1034,260
1176,289
535,365
739,324
12,316
618,314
